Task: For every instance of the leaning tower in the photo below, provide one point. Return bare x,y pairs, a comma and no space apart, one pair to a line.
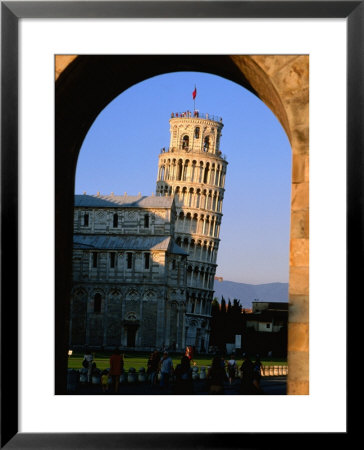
193,169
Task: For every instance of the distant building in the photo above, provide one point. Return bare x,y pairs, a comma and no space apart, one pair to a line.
265,329
268,317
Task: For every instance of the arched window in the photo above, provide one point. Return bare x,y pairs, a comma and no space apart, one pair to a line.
112,260
129,260
198,194
206,144
185,170
194,223
161,176
97,303
179,170
185,142
94,259
146,220
115,221
192,247
193,171
197,132
206,174
146,260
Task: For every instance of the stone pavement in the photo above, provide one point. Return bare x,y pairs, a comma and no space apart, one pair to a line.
269,385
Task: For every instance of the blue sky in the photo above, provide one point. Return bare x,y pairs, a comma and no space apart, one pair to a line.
120,154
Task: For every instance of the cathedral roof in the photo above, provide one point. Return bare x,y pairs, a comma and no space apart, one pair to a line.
124,201
106,242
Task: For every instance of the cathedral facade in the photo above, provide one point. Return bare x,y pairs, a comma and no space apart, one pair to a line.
144,267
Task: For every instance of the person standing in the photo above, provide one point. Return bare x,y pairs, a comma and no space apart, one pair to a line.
183,375
104,381
87,363
152,366
231,367
166,369
216,376
257,370
247,376
116,367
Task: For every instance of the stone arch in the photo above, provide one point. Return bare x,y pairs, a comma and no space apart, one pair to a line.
132,294
79,300
191,194
189,275
149,294
114,291
185,169
213,171
218,169
185,142
280,81
200,174
167,171
208,143
194,223
203,199
206,173
193,170
161,173
198,198
209,200
132,316
201,224
188,222
97,290
185,243
179,169
184,192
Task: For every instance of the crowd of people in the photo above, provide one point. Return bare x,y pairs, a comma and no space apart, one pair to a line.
160,372
185,114
195,113
222,372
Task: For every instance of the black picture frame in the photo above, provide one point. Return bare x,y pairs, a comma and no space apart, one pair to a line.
11,12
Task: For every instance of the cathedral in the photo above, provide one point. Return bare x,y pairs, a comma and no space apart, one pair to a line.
144,267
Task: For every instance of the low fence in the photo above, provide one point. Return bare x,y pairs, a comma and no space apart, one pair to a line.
274,371
76,376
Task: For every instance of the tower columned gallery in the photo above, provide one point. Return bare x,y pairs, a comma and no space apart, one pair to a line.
144,267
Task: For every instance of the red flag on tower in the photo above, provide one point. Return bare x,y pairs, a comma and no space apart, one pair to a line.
194,93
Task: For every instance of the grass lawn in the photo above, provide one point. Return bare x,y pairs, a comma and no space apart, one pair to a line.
138,360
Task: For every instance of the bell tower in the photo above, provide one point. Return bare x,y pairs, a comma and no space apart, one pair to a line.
193,169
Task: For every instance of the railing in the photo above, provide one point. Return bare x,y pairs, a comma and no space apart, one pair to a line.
188,150
273,371
196,114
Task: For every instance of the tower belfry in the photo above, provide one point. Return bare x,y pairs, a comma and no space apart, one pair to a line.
193,170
